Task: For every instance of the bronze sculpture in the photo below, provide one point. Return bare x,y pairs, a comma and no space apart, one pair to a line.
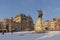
40,14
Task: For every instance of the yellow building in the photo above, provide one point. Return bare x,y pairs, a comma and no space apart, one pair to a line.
8,23
52,25
18,18
25,22
57,23
46,24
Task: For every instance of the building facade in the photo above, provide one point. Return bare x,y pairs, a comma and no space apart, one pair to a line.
26,22
8,24
46,24
19,23
53,25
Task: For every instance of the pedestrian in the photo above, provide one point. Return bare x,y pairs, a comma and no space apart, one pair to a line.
12,31
2,32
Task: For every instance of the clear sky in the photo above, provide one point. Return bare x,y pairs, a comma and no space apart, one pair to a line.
10,8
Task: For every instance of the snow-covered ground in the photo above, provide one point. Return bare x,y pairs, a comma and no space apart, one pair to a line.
50,35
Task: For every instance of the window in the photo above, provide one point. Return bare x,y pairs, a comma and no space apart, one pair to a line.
23,19
30,23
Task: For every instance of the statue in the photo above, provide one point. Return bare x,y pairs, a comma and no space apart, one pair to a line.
38,25
40,14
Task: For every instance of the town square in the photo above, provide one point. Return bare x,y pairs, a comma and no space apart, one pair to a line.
29,20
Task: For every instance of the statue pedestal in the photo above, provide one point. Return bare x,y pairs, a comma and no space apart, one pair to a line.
38,26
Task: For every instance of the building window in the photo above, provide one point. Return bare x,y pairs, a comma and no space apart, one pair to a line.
30,23
23,19
22,28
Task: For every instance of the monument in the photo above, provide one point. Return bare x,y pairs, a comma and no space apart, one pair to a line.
38,25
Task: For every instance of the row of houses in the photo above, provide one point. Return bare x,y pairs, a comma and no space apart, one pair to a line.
53,25
20,22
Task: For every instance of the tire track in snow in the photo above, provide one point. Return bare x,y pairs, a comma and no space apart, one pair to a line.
48,35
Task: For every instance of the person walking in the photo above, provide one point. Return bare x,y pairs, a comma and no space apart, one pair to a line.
2,32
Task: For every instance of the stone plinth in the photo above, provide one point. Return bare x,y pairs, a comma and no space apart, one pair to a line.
38,26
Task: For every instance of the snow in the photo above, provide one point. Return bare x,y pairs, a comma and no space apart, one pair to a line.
50,35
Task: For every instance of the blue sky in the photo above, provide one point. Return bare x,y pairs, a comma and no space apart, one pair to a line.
10,8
